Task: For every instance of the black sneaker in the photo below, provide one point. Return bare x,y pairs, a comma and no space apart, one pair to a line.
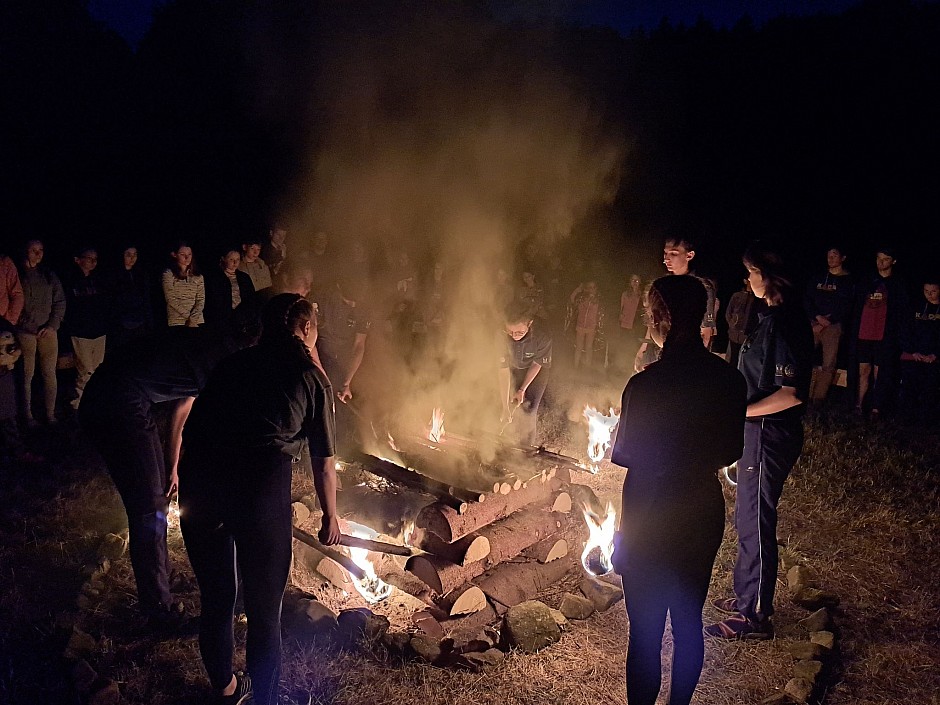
242,694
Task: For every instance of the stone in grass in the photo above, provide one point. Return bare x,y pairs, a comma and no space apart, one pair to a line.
80,645
478,661
602,594
818,621
530,626
798,689
83,676
827,640
426,648
804,650
788,559
111,547
361,627
799,577
83,602
814,599
89,589
300,512
396,642
576,606
96,570
561,620
107,694
311,619
808,670
476,641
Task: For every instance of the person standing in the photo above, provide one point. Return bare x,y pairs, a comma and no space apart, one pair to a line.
741,315
87,304
11,291
523,371
882,304
920,372
230,295
631,310
274,252
776,362
131,307
260,408
117,413
828,303
673,512
43,311
587,317
184,289
255,267
678,253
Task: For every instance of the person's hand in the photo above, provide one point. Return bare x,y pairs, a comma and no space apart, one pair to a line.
44,332
191,324
344,394
517,398
918,357
823,321
329,534
173,485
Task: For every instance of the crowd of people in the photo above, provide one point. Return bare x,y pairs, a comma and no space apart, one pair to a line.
251,359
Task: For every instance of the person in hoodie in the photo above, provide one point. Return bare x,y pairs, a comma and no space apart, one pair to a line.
131,309
43,312
920,345
88,307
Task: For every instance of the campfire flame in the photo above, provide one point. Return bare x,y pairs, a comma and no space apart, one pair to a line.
436,432
391,444
600,428
370,586
408,532
599,548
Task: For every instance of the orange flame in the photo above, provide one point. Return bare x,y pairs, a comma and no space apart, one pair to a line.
370,586
602,529
600,428
436,432
391,444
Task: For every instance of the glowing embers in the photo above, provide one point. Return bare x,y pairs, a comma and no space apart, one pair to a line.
370,585
600,428
599,548
436,430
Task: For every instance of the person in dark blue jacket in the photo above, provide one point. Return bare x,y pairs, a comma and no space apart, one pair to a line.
920,345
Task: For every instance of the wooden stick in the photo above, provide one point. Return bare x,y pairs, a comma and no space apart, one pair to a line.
353,542
454,497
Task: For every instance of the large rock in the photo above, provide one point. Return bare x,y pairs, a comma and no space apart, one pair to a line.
813,599
530,626
601,593
107,694
427,648
83,676
478,661
80,645
561,620
310,619
300,512
396,642
827,640
576,606
804,650
111,547
360,626
807,670
798,689
818,621
799,577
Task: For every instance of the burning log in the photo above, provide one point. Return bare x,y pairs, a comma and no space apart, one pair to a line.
456,498
450,525
507,539
469,549
353,542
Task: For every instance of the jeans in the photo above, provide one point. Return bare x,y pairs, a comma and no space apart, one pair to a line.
45,350
828,338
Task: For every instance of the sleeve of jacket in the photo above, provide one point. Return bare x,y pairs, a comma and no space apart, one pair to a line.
15,291
58,302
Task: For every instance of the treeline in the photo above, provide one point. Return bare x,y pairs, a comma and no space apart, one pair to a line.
812,129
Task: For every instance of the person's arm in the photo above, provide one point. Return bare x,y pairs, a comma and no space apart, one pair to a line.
359,349
196,317
530,375
178,416
707,335
58,308
173,301
324,481
781,400
15,292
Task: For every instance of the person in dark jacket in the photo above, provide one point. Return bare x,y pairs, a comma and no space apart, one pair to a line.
828,304
43,311
673,510
776,362
261,407
230,295
131,305
117,413
742,315
88,317
920,345
882,303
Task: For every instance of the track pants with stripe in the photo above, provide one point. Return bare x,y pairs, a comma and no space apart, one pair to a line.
771,448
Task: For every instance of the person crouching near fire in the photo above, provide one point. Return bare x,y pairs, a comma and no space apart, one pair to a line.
525,358
673,512
777,363
260,407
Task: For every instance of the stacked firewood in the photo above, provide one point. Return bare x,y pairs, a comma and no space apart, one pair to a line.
487,535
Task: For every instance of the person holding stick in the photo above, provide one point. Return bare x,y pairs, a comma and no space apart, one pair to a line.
260,407
673,511
523,371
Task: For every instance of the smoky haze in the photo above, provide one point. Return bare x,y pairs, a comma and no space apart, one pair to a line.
443,134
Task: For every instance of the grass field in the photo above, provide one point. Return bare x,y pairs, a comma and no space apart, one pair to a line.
861,509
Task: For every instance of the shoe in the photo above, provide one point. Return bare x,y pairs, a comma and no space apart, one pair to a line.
242,694
740,627
728,605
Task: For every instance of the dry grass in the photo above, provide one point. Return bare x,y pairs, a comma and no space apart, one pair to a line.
861,510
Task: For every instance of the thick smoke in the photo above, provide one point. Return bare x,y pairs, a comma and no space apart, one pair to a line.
455,138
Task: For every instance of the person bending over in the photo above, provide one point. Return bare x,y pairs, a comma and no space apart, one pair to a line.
523,371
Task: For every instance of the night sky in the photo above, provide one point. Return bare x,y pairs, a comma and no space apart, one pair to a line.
131,18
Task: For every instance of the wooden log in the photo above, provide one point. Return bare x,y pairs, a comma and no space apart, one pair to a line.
464,600
469,623
562,503
548,550
454,497
507,538
469,549
450,525
511,583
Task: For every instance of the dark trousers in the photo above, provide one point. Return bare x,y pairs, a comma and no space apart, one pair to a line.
920,391
218,531
122,427
665,554
525,421
771,448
